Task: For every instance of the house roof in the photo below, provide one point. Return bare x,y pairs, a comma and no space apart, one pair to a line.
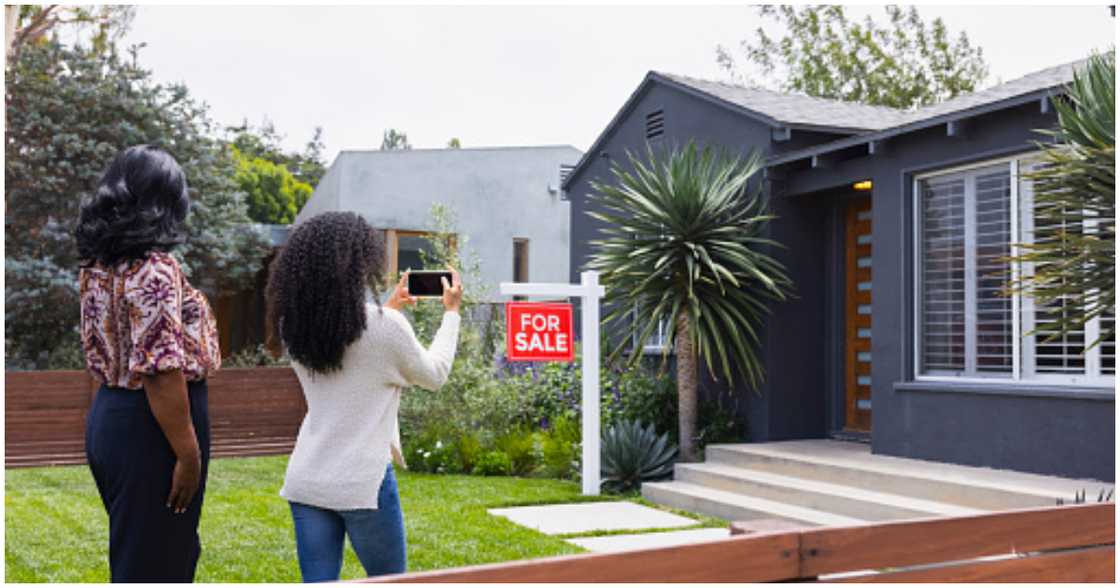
863,122
1031,87
396,182
796,109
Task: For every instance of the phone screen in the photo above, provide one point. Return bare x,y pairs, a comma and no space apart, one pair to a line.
427,283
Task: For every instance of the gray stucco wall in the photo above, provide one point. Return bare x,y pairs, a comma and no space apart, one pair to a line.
497,194
1050,430
791,403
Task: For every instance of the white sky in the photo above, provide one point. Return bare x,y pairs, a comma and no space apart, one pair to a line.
502,75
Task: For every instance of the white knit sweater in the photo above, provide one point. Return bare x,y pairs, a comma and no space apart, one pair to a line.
350,432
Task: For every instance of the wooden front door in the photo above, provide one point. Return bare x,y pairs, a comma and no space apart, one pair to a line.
857,320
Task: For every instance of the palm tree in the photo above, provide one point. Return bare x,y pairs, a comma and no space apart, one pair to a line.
1075,189
683,247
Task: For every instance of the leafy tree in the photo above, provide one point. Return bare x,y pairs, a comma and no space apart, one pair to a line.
394,140
1075,189
265,142
29,24
273,194
311,166
454,143
683,245
823,53
69,111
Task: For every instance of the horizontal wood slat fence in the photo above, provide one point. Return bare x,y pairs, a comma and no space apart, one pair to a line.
1073,543
253,411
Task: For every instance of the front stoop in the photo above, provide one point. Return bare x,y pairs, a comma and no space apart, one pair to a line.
827,482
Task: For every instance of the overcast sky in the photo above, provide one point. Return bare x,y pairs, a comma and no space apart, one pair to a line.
503,75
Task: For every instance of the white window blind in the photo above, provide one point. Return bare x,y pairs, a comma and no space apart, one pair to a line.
1108,346
943,283
994,347
968,325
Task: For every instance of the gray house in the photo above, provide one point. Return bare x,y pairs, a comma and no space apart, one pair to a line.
506,201
895,226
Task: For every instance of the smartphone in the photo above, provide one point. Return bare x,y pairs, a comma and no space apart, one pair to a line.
426,284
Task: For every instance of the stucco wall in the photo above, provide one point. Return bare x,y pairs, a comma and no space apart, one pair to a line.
496,194
791,403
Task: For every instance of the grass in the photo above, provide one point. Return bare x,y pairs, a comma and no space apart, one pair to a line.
57,531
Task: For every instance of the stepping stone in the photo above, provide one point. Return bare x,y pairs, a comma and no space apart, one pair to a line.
585,517
611,543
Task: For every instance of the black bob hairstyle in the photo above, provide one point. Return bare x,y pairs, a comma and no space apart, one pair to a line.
316,295
140,205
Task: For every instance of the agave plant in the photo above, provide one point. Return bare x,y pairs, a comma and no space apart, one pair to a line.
1079,497
632,453
683,246
1075,188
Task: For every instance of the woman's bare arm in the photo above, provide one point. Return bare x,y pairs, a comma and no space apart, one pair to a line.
167,396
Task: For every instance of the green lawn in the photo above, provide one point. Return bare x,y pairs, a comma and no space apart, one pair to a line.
57,531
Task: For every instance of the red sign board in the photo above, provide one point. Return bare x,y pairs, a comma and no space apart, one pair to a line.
539,331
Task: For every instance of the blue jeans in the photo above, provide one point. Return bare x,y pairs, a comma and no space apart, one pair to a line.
376,534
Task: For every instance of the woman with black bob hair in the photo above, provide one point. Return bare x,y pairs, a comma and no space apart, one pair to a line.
353,356
150,339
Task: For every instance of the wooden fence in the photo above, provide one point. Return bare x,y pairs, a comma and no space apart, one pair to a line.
253,411
1055,544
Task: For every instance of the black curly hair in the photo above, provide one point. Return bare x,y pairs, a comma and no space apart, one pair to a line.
140,205
317,285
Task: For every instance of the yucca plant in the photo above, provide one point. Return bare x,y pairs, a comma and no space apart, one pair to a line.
1074,189
683,245
631,454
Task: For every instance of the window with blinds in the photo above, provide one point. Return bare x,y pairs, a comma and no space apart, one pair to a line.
1108,346
994,347
943,283
968,324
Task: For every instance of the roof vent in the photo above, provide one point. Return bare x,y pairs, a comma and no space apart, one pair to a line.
655,124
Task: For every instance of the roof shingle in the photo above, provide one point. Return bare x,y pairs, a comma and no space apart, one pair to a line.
797,109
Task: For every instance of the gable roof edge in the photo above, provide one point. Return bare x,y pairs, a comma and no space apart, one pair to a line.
652,77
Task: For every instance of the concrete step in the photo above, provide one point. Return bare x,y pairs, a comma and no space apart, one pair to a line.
851,464
732,506
816,495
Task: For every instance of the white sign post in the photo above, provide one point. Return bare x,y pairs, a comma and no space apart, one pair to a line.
589,292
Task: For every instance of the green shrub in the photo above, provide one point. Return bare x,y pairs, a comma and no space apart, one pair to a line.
430,453
560,448
493,463
632,454
522,448
254,356
468,448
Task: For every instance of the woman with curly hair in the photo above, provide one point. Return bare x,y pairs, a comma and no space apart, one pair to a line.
352,358
150,339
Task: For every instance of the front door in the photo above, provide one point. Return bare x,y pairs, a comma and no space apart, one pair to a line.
857,320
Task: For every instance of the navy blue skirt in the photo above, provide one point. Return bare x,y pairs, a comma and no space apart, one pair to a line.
132,463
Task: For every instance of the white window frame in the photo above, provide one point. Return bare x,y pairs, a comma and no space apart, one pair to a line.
656,342
1022,306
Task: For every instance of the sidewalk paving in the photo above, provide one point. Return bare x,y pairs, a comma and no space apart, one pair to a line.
592,517
611,543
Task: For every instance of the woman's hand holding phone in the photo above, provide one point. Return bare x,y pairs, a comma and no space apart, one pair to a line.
400,297
453,292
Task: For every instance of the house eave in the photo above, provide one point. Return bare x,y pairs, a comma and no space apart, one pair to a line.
942,119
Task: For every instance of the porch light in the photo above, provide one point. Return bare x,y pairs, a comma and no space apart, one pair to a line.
863,186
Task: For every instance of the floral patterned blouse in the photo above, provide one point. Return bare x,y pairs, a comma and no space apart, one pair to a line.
142,317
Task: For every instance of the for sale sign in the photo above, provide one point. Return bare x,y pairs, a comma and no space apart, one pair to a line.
538,331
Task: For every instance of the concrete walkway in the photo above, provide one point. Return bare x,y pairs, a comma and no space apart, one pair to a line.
591,517
610,543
